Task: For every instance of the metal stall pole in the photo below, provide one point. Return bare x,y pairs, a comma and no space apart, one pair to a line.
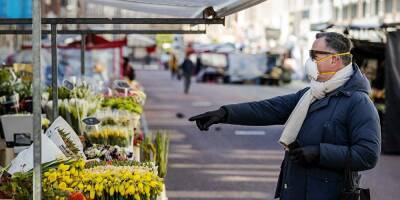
54,70
83,48
37,127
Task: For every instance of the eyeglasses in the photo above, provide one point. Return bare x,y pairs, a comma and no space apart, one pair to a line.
313,53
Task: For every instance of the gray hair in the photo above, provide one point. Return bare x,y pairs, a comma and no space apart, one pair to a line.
339,43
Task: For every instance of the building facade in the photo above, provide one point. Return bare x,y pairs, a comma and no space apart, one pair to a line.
305,14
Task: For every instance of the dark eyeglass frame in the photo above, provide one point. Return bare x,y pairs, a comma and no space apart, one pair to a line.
313,53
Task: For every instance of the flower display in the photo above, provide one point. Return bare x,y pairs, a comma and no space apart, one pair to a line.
110,136
102,181
107,152
111,171
123,120
123,103
78,180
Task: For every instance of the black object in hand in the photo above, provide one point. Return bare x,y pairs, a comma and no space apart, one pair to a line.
305,156
205,120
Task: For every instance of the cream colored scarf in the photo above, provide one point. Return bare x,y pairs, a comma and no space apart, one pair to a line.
318,90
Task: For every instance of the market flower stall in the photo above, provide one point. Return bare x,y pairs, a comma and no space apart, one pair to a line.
93,150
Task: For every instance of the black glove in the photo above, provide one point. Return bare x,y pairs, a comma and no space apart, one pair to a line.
205,120
305,156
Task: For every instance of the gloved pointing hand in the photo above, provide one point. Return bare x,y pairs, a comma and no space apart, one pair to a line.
205,120
305,156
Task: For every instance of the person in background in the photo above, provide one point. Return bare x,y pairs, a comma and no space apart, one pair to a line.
173,65
164,60
199,65
128,70
187,69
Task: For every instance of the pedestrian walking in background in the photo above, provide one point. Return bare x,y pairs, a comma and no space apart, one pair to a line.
199,65
187,68
165,60
331,127
128,70
173,65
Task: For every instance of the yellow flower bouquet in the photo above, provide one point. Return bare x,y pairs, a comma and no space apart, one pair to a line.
136,182
110,136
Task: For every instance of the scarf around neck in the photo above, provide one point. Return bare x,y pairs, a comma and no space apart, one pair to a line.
318,90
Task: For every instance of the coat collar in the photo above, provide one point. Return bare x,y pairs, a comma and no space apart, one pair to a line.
357,82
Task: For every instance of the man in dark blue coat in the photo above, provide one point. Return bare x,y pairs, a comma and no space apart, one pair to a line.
339,116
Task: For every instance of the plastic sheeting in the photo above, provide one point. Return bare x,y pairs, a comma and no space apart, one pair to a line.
181,8
391,133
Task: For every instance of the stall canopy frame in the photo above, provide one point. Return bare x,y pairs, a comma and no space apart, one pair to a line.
53,22
37,31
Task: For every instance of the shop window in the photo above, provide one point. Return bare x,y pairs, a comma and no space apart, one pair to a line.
377,5
337,17
388,6
305,14
364,8
354,10
398,5
345,12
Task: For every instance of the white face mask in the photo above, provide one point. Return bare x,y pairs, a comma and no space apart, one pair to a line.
311,69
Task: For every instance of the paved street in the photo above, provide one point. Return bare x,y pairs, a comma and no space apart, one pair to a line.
229,162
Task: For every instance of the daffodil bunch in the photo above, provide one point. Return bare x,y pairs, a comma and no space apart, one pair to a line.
110,136
124,182
59,182
102,181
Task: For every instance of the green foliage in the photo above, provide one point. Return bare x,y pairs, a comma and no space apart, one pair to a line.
157,151
24,90
123,103
94,163
81,92
6,84
162,149
8,87
5,75
63,93
148,149
74,151
19,186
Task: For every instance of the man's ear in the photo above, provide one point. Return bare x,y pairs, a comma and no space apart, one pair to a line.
335,59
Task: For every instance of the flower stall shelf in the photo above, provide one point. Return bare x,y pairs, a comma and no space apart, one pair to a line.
81,160
68,175
78,179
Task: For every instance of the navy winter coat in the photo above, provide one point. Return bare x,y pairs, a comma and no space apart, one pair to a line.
328,124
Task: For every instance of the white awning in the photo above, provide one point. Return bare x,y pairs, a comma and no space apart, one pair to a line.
181,8
140,40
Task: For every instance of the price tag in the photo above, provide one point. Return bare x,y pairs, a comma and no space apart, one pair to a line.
68,85
121,84
22,139
91,121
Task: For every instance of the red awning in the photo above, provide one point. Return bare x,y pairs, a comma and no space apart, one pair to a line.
92,42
